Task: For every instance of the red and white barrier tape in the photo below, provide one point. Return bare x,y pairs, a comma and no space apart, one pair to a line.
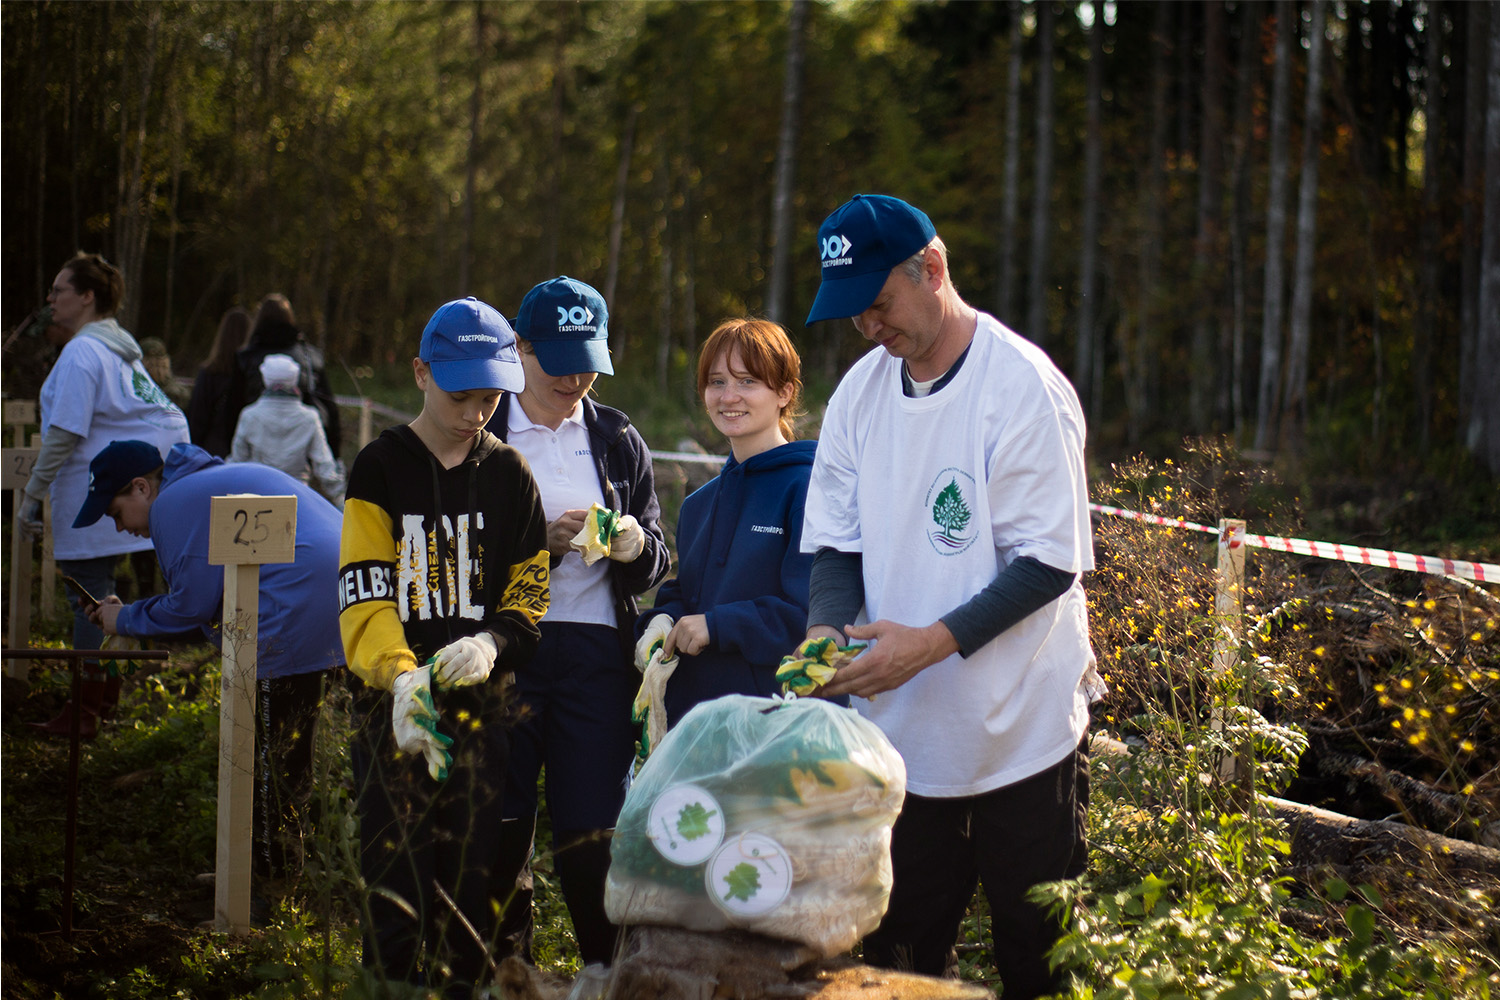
1170,522
1477,571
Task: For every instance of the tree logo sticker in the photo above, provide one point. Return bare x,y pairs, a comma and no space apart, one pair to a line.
685,824
750,875
950,504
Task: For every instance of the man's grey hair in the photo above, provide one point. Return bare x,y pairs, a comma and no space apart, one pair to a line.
912,266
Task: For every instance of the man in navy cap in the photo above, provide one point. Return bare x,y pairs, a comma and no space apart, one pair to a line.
297,632
949,516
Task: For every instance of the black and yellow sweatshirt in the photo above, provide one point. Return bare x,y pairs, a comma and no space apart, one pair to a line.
430,555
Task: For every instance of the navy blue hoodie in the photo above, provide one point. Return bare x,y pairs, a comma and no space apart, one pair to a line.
740,564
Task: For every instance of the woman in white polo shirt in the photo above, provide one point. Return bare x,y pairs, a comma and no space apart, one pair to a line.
574,697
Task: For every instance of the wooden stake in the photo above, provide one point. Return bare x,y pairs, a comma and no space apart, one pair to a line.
17,464
244,532
1229,628
366,423
18,461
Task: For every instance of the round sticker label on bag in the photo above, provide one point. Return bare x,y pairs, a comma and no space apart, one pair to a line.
750,875
686,824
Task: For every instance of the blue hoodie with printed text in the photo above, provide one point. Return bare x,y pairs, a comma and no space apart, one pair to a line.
298,623
740,565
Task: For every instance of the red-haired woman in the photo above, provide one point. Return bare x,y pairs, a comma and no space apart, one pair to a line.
739,601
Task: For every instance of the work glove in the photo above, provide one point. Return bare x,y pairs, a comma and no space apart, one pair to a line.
650,708
467,661
30,516
629,540
813,664
593,539
414,721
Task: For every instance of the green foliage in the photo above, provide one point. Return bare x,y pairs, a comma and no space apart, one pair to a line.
1189,892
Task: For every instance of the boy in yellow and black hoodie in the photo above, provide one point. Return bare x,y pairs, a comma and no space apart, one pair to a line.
443,577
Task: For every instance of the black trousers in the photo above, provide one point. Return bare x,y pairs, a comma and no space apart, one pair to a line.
1009,840
572,718
287,725
427,848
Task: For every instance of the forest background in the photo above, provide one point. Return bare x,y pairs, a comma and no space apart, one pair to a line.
1264,220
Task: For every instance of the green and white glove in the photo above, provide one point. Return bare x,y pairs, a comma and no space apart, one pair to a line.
466,661
593,539
812,665
628,541
650,708
414,720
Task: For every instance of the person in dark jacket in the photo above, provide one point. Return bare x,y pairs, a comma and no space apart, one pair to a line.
275,332
442,580
739,600
209,420
574,697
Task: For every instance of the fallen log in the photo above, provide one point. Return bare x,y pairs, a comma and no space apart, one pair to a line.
1323,837
1320,836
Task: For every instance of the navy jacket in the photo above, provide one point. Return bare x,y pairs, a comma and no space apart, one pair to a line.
623,464
740,565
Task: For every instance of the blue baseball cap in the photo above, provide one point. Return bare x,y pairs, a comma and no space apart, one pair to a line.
110,472
858,245
567,325
469,345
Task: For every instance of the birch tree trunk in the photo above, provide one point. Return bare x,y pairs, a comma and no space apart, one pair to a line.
554,176
1041,199
1138,378
1267,400
617,229
1486,436
1005,300
1247,66
1206,374
1086,364
1428,236
1295,416
136,191
471,167
786,167
1475,30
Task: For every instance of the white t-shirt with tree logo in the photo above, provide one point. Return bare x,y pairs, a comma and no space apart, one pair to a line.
939,494
95,393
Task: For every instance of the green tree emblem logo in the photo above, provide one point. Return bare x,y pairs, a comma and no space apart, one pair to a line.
951,500
743,881
950,512
692,821
148,391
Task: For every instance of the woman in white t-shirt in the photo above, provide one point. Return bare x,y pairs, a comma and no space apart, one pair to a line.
97,392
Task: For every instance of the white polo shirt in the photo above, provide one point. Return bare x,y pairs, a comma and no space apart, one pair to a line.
568,479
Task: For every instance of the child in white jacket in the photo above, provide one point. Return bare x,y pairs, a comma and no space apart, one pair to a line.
281,431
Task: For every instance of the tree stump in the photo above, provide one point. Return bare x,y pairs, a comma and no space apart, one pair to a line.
668,963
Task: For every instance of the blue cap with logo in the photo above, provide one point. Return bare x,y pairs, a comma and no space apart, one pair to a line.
110,472
567,325
858,245
469,345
